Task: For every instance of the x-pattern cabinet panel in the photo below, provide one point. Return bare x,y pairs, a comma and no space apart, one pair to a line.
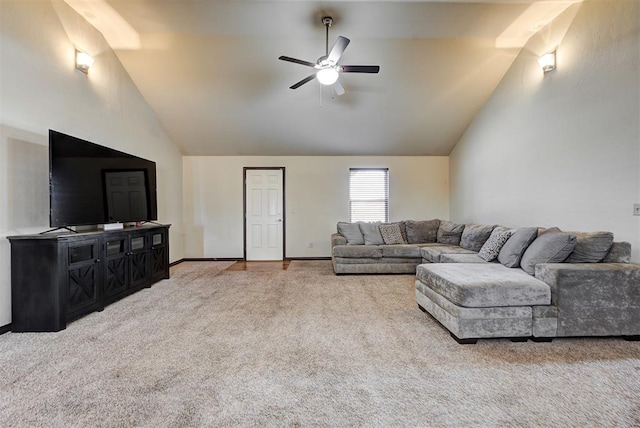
84,274
160,254
58,278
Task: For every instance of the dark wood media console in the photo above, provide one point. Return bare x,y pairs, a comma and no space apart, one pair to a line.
60,277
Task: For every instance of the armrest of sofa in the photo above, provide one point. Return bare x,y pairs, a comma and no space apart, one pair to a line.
574,285
592,299
337,239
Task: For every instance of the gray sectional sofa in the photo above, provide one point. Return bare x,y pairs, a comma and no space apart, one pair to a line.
487,281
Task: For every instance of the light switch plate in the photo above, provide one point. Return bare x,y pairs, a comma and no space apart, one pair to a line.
636,209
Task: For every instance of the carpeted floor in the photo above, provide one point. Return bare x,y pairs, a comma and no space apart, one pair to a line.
302,347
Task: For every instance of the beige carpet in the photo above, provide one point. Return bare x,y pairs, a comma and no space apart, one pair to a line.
302,347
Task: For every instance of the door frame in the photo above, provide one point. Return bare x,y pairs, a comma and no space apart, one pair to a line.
244,207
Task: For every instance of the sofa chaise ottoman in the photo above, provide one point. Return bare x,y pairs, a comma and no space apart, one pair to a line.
480,300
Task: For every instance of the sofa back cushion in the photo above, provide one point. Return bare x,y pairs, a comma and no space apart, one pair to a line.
449,233
620,252
552,247
422,232
475,235
590,247
512,251
352,232
371,233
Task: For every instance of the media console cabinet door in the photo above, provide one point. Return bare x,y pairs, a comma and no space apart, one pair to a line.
83,277
140,269
116,253
159,254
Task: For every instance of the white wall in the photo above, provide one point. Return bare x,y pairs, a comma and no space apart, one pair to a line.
561,149
316,194
41,90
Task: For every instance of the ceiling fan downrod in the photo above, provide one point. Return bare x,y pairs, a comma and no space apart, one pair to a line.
327,21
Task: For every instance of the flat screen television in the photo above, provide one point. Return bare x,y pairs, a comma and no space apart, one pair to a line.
91,184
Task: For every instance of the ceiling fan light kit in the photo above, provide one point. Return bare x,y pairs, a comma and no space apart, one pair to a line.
328,69
327,76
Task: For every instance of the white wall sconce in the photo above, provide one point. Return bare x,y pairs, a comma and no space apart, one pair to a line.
548,61
84,61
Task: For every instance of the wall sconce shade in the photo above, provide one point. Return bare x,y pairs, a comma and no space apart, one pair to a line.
84,61
548,61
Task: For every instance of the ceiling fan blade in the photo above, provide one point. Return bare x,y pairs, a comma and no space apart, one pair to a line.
337,49
303,81
297,61
338,88
360,68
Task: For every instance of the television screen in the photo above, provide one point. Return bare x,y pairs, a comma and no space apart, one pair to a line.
91,184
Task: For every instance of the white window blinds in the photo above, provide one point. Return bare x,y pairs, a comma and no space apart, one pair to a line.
369,194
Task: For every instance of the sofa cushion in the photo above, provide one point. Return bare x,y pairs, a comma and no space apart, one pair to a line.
419,232
411,251
461,258
512,251
432,253
590,247
475,235
483,285
547,248
371,233
352,232
491,248
391,233
359,251
384,260
620,252
449,233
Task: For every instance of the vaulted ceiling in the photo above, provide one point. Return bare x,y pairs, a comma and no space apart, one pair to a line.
210,70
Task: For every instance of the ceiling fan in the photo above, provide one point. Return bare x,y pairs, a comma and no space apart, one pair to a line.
327,66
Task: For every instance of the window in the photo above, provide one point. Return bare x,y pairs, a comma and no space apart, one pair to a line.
369,194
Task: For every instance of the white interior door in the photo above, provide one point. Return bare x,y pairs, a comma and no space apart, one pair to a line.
264,205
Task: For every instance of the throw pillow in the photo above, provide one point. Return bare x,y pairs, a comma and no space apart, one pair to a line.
352,232
403,229
420,232
474,236
391,234
449,233
547,248
590,247
514,248
493,245
371,233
